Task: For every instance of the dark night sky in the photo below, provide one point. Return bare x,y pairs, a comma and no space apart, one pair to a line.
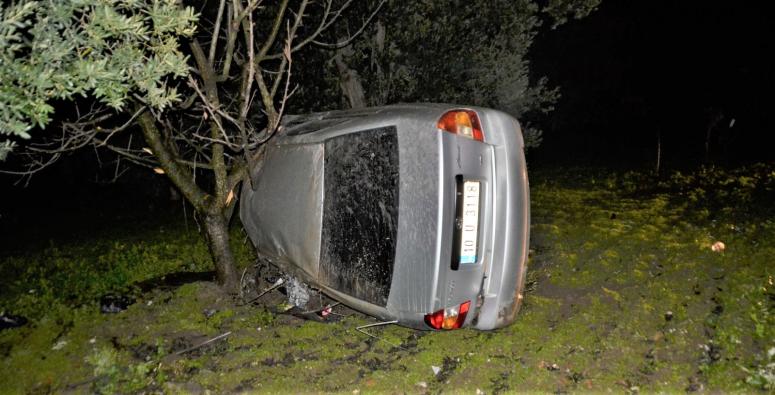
635,67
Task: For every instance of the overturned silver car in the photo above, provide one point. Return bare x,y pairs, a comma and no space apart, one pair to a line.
417,214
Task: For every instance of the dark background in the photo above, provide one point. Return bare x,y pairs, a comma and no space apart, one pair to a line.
628,72
635,68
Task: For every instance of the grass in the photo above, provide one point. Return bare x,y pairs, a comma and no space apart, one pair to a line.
625,294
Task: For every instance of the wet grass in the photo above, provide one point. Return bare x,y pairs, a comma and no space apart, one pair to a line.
625,294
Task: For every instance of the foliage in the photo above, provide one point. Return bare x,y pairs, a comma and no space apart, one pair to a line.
106,49
562,10
112,375
467,52
763,376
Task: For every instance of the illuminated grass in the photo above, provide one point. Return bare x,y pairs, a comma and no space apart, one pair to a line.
625,294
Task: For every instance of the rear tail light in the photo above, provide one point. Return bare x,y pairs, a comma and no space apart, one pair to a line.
449,318
463,123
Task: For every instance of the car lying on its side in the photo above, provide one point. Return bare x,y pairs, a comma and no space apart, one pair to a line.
411,213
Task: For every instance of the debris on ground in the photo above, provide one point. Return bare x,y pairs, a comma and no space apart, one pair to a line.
112,304
298,292
11,321
718,246
59,345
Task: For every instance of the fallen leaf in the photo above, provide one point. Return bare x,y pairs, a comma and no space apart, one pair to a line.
148,150
158,170
230,197
59,345
718,246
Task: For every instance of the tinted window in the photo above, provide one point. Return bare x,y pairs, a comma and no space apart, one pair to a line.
360,213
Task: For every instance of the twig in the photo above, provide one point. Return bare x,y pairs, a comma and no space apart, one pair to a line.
242,283
278,283
352,37
362,328
204,343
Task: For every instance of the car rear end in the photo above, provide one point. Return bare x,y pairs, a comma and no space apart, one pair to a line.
463,220
412,213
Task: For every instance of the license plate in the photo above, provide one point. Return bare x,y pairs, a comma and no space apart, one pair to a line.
469,231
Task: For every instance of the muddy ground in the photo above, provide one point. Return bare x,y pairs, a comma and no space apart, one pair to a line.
626,293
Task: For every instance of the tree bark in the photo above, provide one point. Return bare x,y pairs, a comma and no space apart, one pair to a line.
659,152
217,236
350,82
215,223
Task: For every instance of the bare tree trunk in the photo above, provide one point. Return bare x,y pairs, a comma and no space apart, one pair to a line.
217,236
350,82
216,224
659,152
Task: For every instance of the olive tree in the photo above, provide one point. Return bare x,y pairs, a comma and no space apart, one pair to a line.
192,98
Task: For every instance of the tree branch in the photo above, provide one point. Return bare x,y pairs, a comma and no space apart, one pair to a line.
217,160
177,174
350,39
216,32
278,22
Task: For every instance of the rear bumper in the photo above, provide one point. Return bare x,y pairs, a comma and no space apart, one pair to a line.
503,284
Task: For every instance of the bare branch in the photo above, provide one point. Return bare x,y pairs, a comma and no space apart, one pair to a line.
327,20
216,32
289,59
278,22
251,71
350,39
215,112
121,128
132,155
181,177
231,39
278,79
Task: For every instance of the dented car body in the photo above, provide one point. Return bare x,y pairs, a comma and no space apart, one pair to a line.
417,214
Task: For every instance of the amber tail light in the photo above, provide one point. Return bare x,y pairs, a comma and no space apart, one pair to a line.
462,122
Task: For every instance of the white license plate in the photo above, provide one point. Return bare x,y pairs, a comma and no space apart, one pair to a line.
470,230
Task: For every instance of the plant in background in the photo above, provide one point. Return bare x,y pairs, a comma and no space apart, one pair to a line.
473,52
